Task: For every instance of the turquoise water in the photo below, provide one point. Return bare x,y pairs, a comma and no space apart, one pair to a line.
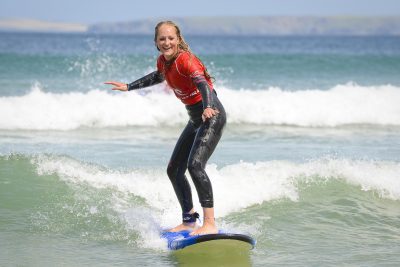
308,165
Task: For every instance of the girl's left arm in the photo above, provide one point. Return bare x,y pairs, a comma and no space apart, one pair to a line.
205,91
207,97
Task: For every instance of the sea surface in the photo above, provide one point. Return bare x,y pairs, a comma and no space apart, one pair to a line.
309,163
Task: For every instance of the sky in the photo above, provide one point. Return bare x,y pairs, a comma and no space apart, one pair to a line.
94,11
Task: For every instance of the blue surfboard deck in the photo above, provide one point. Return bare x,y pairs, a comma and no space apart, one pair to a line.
182,239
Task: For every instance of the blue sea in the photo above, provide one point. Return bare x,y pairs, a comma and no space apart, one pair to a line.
309,163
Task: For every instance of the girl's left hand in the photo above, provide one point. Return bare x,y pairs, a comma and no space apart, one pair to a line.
208,113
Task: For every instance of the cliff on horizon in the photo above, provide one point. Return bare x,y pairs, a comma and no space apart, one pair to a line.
279,25
262,25
34,25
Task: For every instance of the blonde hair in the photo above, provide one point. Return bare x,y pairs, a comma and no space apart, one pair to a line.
182,45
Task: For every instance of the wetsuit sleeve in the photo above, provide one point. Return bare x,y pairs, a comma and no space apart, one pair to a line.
146,81
190,65
205,91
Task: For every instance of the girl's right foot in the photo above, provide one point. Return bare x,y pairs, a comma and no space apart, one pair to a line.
184,227
189,222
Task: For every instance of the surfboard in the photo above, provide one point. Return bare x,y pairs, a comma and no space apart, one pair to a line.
183,240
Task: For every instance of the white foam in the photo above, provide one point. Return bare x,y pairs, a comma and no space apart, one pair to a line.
39,110
236,186
341,105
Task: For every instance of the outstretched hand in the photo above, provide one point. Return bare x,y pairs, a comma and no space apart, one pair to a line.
118,86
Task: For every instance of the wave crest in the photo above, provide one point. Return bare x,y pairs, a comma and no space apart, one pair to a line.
341,105
251,183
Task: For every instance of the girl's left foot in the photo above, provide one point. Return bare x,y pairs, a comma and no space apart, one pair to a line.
206,229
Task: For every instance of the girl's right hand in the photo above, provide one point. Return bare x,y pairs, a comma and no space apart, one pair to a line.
118,86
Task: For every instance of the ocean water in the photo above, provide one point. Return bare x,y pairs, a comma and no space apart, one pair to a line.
309,164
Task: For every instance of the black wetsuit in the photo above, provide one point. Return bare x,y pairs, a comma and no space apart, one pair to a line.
195,145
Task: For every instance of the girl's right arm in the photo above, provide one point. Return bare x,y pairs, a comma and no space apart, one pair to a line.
146,81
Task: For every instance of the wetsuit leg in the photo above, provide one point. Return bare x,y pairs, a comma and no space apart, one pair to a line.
178,165
207,138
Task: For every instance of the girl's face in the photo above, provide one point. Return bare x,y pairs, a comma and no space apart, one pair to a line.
167,41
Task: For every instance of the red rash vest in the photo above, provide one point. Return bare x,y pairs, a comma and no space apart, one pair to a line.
179,75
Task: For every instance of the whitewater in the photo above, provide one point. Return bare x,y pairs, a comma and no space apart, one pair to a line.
341,105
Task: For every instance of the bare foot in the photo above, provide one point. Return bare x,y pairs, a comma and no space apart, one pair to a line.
184,226
207,228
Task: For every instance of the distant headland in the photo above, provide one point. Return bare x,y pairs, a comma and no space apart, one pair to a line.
260,25
33,25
